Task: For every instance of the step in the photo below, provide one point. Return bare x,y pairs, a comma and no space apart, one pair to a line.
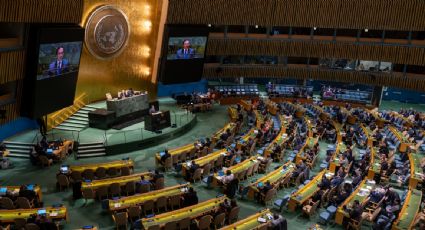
68,129
82,119
17,143
88,109
20,155
78,122
91,143
87,147
92,107
24,147
98,150
72,125
91,155
19,151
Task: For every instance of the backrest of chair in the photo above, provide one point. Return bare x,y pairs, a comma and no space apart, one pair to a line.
23,202
62,179
88,193
76,176
148,205
206,170
6,203
115,188
219,219
172,225
130,186
154,227
100,172
197,174
161,202
270,194
88,174
102,191
31,226
112,171
145,188
299,178
185,223
175,158
159,183
20,223
168,162
234,213
205,222
125,171
250,171
134,211
256,165
121,218
175,200
44,160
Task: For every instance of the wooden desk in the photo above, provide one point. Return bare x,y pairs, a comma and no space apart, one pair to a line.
177,151
9,216
233,113
138,199
334,163
62,151
271,107
375,164
309,143
404,142
368,134
416,171
244,139
202,161
235,169
192,212
362,197
302,195
275,177
15,190
280,139
378,120
411,206
246,105
106,165
231,126
122,180
251,222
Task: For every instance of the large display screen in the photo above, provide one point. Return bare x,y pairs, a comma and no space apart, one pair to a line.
186,47
52,65
56,59
183,53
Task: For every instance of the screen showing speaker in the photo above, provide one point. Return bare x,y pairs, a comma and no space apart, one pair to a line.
52,66
56,59
183,53
186,47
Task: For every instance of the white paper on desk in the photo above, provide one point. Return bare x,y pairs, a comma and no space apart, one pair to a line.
261,220
269,216
53,214
117,205
224,154
260,158
219,177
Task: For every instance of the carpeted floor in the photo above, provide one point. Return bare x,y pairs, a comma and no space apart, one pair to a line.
92,214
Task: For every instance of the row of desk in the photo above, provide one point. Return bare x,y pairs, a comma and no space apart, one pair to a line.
94,166
202,161
54,213
14,190
235,169
256,221
122,180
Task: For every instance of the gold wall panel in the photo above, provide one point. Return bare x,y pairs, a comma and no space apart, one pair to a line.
133,67
49,11
12,66
394,54
410,81
354,14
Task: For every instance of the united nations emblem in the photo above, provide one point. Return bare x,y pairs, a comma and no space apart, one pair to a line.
107,32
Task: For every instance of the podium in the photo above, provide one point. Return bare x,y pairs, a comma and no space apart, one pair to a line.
101,119
157,121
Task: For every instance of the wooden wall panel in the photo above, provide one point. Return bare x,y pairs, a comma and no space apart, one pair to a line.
354,14
41,11
412,82
11,66
394,54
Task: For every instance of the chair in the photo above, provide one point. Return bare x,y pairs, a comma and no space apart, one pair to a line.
144,188
100,173
154,227
281,203
286,181
23,203
174,202
20,223
172,225
88,194
197,175
63,181
204,222
76,176
249,172
125,171
168,164
269,196
310,208
134,213
102,192
206,170
6,203
120,219
130,188
161,203
44,161
114,189
354,224
219,220
159,183
233,215
31,226
185,223
148,207
88,174
112,172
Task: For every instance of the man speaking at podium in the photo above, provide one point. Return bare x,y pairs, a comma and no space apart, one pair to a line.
60,65
186,52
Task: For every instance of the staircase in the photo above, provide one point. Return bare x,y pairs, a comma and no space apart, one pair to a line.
94,149
78,121
18,149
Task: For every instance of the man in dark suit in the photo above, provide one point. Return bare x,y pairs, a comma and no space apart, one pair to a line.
185,52
60,65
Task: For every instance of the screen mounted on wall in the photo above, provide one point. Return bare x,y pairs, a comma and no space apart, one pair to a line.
57,59
186,47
